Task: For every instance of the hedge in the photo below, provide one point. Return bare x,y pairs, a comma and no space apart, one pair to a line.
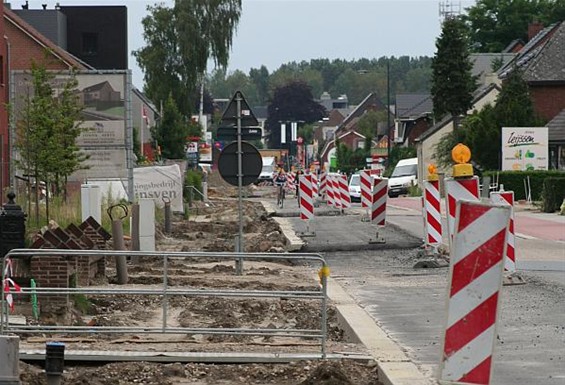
553,194
514,181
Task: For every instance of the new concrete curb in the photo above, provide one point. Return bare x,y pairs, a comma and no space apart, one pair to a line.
394,367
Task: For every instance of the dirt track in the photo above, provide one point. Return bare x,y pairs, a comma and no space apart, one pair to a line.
212,228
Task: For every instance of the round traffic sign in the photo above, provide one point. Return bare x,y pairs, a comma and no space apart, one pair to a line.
251,163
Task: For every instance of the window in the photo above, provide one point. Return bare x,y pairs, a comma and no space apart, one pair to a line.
89,43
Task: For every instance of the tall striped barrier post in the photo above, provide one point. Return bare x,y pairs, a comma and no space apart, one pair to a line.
507,198
344,192
432,211
366,181
315,188
306,203
511,276
457,189
431,214
337,194
463,186
330,200
475,281
379,198
323,185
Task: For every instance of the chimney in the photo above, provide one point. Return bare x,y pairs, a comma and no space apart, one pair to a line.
533,29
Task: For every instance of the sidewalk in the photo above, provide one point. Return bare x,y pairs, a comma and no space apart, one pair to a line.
530,223
540,237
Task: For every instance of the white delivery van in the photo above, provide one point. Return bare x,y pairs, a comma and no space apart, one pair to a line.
268,169
405,174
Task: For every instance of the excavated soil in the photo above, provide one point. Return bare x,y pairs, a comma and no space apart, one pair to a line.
210,227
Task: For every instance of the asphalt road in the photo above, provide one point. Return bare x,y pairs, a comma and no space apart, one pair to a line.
410,304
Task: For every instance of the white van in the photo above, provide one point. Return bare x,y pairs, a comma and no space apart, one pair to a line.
268,169
405,174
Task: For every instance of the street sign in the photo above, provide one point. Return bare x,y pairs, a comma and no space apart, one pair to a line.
229,117
251,163
228,133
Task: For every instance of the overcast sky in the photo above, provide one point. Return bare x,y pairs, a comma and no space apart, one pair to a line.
273,32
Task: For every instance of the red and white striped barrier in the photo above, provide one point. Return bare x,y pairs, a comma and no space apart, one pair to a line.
366,181
323,184
456,190
378,201
330,199
507,198
432,213
314,185
475,281
289,182
306,200
337,194
9,286
344,192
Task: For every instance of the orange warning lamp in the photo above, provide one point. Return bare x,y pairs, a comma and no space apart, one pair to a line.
461,155
432,173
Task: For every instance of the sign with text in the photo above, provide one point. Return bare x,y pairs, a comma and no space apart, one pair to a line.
524,148
102,163
159,183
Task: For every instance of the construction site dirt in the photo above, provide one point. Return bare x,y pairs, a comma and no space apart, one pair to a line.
210,227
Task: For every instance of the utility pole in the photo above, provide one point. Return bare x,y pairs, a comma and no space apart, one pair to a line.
388,112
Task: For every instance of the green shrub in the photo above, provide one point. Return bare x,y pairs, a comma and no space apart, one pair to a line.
514,181
553,194
414,191
193,179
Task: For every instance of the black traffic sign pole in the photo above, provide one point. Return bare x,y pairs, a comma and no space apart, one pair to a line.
239,249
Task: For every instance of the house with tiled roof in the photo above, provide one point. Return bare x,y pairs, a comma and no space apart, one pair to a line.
412,117
347,131
542,61
425,143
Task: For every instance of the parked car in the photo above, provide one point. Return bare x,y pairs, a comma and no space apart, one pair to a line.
355,188
404,176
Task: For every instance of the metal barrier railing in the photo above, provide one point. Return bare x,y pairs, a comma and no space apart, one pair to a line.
166,291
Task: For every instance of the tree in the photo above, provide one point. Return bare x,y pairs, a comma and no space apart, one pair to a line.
369,123
47,129
292,102
180,41
452,81
171,132
494,24
482,130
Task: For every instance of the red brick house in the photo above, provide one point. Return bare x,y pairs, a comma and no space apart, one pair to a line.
347,131
4,98
22,46
542,61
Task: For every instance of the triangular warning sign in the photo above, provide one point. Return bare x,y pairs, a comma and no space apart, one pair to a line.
230,114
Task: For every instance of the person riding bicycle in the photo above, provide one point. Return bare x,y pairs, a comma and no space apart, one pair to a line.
280,178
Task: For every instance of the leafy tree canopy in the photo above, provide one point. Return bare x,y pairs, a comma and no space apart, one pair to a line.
494,24
180,40
452,82
292,102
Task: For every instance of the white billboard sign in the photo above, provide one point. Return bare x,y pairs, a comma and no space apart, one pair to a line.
525,148
160,183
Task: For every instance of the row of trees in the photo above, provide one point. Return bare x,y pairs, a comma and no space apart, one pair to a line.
181,39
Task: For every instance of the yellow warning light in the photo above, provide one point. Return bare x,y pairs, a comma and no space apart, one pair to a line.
432,173
461,155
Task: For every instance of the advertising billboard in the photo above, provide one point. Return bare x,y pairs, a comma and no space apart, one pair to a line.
105,137
524,148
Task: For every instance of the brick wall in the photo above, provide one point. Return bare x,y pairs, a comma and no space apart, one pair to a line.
24,50
51,271
548,100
